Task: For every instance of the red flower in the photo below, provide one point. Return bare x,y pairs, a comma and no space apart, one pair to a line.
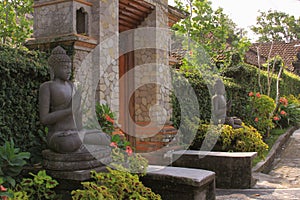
128,150
283,101
191,53
107,117
3,189
276,118
282,112
256,119
251,94
258,95
113,144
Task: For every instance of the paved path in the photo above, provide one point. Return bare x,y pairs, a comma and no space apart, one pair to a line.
282,182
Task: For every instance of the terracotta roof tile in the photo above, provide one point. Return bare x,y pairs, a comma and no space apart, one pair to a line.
287,51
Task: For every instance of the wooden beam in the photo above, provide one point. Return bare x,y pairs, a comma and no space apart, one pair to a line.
125,23
132,9
131,15
128,19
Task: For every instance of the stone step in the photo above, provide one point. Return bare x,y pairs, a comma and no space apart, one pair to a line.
180,183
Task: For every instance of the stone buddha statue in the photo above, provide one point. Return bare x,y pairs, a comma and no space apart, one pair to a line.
59,109
220,107
219,103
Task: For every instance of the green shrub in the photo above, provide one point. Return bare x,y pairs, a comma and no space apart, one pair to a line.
246,139
259,111
22,72
114,185
11,162
238,80
288,113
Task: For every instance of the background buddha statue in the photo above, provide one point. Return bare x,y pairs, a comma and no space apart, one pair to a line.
59,109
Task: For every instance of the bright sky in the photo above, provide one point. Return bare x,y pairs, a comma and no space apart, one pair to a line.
244,12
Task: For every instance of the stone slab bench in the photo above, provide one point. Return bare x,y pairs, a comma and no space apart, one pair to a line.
233,169
180,183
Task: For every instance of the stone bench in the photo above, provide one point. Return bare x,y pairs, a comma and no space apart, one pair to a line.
233,169
180,183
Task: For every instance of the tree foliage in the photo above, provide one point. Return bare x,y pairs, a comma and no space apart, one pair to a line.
15,21
276,26
212,29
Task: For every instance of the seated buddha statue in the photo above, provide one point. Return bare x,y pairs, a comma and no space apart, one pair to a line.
59,109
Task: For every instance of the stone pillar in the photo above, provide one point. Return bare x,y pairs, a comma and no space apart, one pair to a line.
109,52
153,99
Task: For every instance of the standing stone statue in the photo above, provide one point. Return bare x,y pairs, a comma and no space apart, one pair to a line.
219,103
59,107
220,108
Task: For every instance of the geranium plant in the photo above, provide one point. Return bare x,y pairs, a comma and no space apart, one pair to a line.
259,109
288,112
105,118
123,157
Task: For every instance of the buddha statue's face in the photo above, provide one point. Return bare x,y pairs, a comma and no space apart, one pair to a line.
63,71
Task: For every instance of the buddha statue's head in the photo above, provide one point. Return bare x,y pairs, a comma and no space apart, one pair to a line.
60,64
219,87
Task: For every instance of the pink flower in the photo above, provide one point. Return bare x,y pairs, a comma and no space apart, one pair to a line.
113,144
191,53
256,119
128,150
107,117
251,94
258,95
276,118
282,112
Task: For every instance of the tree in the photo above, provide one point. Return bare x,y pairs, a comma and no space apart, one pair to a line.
15,21
276,26
217,34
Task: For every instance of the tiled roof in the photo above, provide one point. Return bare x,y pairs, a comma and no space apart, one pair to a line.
287,51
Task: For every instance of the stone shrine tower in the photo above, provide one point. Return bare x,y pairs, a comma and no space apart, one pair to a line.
83,27
79,26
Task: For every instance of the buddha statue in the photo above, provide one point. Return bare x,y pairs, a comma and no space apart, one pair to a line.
219,103
221,108
59,109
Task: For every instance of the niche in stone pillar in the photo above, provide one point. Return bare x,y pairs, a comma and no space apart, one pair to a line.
81,22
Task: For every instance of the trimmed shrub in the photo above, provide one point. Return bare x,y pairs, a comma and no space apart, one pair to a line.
22,72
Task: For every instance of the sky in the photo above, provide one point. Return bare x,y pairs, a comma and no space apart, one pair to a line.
244,12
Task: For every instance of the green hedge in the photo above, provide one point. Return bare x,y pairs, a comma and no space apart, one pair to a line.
238,81
22,72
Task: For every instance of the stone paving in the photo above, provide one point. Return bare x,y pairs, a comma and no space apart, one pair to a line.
281,183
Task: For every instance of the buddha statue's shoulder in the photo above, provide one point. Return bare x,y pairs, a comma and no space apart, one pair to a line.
50,84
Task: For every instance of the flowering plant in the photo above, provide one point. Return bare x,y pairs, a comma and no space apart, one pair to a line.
259,109
123,157
288,112
105,118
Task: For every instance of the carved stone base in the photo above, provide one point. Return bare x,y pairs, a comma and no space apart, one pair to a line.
76,166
